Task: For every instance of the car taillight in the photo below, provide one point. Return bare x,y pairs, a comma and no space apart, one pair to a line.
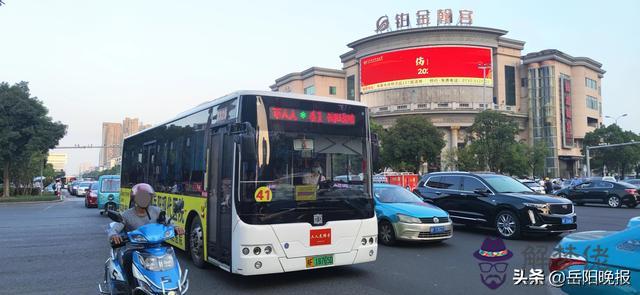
631,191
560,263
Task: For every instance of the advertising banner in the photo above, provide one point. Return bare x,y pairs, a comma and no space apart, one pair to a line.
426,66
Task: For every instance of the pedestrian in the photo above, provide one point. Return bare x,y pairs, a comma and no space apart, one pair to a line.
58,189
548,187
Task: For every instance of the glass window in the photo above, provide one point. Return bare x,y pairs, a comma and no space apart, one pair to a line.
471,184
434,182
332,90
351,88
451,182
311,90
510,85
395,194
505,184
110,185
593,103
304,163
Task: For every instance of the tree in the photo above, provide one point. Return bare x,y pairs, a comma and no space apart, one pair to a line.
377,132
623,158
25,128
493,137
536,155
410,142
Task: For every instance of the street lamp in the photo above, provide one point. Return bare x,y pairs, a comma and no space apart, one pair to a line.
484,68
616,118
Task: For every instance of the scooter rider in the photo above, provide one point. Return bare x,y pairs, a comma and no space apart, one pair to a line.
142,213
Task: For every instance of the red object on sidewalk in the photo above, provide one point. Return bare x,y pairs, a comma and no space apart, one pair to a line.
403,179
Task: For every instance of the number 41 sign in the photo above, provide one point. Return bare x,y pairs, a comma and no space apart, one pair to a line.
263,194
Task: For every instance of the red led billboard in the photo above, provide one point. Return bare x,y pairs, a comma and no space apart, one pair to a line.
426,66
311,116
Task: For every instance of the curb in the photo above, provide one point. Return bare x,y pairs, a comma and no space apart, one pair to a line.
31,202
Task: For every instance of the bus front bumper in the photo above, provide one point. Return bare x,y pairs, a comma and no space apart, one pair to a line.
266,264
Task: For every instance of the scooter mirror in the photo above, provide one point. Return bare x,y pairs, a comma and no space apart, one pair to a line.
115,216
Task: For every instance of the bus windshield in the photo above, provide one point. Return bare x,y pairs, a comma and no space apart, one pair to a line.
110,185
305,171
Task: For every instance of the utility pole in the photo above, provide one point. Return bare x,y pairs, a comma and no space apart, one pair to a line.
484,68
589,148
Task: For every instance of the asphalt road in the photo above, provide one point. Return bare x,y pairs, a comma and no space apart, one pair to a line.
60,248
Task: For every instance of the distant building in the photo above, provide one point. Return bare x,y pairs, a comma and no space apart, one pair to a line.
449,74
113,134
57,160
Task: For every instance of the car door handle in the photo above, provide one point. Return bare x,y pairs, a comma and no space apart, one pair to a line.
438,193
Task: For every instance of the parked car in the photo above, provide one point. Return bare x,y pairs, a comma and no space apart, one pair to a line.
575,253
615,194
497,201
73,188
404,216
108,192
535,186
82,188
91,195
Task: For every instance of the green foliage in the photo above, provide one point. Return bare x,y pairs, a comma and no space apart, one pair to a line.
493,139
410,142
622,159
95,174
378,132
25,130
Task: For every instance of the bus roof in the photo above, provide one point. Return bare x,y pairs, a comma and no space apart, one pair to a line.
208,104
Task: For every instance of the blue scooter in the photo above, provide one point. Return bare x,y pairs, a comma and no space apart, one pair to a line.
154,266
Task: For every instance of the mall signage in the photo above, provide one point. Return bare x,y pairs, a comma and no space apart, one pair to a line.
426,66
444,17
566,112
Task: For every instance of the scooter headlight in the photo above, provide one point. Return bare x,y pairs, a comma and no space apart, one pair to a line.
168,234
157,263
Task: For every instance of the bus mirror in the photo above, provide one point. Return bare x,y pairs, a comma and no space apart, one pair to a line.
240,128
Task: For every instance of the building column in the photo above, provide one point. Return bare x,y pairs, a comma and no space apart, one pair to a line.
454,137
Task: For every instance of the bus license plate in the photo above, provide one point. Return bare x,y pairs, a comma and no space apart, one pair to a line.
437,229
322,260
567,220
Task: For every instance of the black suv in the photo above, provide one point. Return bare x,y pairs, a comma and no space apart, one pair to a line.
497,201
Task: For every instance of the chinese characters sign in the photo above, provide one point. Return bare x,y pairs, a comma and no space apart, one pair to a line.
422,18
425,66
567,113
311,116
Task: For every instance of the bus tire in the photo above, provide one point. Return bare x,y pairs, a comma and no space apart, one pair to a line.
195,243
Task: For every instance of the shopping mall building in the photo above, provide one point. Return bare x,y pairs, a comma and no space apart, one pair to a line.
451,73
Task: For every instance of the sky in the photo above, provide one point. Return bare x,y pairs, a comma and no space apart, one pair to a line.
94,61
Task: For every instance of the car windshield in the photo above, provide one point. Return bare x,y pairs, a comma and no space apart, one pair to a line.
85,184
110,185
505,184
395,194
305,168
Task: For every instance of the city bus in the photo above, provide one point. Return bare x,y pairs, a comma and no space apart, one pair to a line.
270,182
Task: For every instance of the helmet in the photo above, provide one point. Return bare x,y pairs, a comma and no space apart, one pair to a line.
142,194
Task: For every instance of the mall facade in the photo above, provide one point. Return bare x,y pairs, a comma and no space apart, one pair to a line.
451,73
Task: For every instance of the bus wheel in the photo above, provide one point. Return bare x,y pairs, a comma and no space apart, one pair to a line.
196,243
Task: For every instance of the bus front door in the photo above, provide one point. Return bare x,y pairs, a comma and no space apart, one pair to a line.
221,159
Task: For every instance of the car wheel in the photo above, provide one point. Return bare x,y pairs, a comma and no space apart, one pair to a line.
507,225
614,201
196,243
386,234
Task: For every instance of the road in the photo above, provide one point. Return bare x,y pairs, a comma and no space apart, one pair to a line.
60,248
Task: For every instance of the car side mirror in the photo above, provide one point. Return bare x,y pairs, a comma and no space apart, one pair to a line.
481,191
115,216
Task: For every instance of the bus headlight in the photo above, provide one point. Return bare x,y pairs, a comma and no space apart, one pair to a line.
364,241
245,251
256,251
267,250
